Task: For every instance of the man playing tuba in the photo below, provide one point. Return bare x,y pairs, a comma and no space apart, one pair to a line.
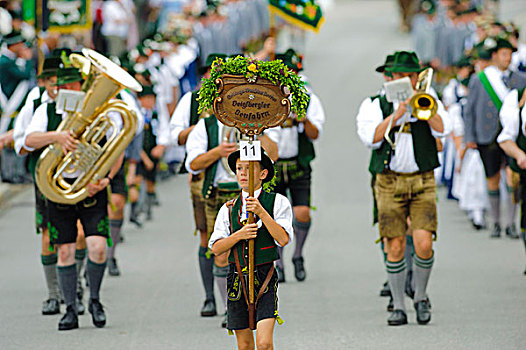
92,211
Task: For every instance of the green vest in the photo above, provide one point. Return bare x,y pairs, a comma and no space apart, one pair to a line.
427,156
149,139
265,250
521,140
306,151
212,132
53,121
194,118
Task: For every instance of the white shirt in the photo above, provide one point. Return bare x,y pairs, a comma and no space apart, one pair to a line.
495,78
509,118
180,118
282,216
197,144
24,118
287,138
403,160
116,21
132,102
39,123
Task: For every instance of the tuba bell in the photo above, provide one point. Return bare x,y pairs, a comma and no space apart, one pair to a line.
423,105
95,154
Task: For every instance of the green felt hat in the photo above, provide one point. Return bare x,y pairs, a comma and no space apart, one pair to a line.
13,38
146,90
464,61
50,67
68,75
483,50
265,162
209,60
428,7
503,44
404,62
389,60
291,59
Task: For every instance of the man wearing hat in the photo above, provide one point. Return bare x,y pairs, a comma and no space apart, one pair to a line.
92,212
183,120
296,151
273,229
36,97
205,148
487,91
405,185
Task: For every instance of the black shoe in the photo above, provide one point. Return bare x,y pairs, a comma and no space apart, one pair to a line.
113,269
209,309
496,231
408,288
149,216
397,318
155,200
51,307
385,291
423,314
299,269
525,271
80,305
69,321
134,219
511,232
281,274
224,322
97,313
390,306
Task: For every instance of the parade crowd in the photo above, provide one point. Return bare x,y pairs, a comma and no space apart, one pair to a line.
465,132
474,144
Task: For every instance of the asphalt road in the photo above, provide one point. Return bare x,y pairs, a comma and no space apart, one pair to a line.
477,287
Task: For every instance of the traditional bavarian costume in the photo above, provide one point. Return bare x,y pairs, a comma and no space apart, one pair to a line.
231,218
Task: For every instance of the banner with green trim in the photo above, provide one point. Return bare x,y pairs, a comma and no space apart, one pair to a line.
303,13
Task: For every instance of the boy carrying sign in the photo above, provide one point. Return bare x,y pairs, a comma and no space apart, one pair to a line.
273,228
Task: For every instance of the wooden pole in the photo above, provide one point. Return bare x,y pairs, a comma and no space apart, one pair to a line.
272,33
251,220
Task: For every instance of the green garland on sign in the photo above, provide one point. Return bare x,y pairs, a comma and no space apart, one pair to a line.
274,71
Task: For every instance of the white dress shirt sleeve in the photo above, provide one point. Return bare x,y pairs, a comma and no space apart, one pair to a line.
21,123
368,118
316,114
221,226
196,145
163,132
509,118
180,118
283,215
38,122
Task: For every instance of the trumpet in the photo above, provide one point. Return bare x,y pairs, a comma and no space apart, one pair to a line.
423,105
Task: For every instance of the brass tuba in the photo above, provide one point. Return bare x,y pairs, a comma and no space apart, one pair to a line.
423,105
94,156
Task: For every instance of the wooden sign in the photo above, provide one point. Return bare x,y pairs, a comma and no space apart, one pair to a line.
250,106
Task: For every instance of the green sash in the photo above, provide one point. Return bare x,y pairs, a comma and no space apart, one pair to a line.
489,89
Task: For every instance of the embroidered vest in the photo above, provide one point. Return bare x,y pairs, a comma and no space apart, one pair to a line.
194,118
427,156
149,137
53,121
306,151
265,249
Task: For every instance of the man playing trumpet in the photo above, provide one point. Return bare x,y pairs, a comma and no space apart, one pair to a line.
405,184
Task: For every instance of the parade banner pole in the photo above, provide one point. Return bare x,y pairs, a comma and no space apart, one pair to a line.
251,243
272,33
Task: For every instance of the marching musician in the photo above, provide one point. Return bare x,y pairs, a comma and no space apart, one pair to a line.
183,120
405,185
92,211
296,151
